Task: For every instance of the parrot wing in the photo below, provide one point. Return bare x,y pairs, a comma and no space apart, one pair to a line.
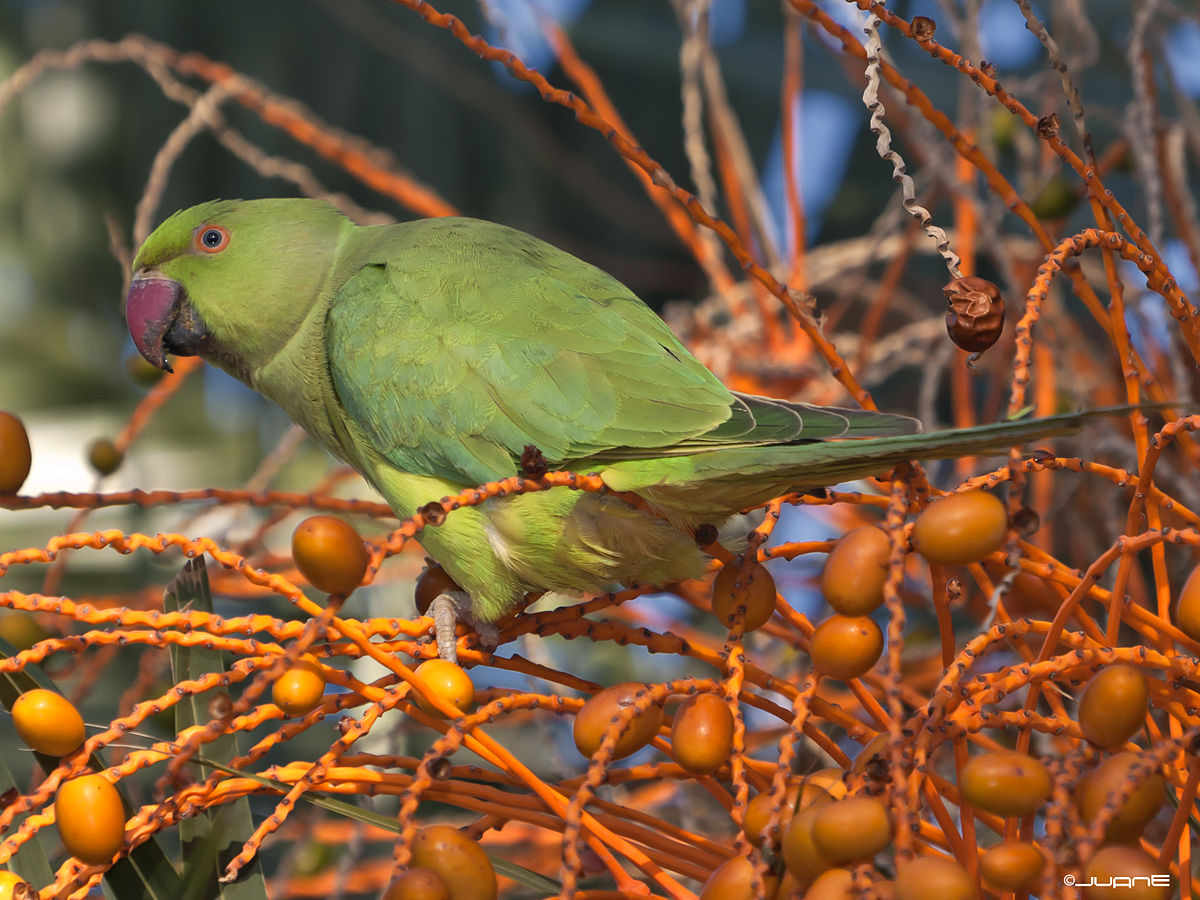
459,342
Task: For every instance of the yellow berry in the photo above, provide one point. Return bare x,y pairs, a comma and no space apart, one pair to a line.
459,861
593,720
1094,789
330,554
933,876
48,722
1187,610
961,528
1126,873
734,880
15,455
449,681
14,887
1005,783
418,884
747,585
90,819
702,734
1012,866
299,689
846,647
851,830
854,574
1113,705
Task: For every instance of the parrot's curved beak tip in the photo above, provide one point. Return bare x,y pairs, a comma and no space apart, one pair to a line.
151,307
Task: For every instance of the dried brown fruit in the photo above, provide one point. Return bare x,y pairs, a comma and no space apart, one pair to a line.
976,316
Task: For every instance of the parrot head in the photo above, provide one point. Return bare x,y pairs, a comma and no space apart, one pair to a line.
231,280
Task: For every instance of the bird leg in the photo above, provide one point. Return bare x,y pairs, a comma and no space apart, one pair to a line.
448,609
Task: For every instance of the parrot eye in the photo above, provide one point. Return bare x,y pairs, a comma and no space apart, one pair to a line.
211,238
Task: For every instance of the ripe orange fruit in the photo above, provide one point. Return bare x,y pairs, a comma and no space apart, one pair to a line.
854,574
1094,789
90,819
1187,610
933,876
330,554
852,829
832,884
299,689
592,721
1012,866
734,880
15,455
48,722
449,681
432,582
801,855
755,589
459,861
702,734
1138,875
961,528
1113,706
418,884
846,647
1005,783
9,884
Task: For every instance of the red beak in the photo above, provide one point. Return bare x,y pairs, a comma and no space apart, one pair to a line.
150,309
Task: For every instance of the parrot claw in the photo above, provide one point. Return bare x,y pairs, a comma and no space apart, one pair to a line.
447,608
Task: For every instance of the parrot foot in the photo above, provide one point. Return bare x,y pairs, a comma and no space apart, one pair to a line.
447,608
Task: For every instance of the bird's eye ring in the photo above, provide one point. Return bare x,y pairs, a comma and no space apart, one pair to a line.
212,238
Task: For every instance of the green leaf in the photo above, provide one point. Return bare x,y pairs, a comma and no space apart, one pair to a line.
211,839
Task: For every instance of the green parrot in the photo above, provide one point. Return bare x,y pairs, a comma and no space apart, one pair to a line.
429,355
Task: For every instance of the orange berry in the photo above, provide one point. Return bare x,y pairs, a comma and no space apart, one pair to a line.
450,682
15,455
299,689
1113,706
431,583
418,884
1187,610
961,528
801,855
734,880
593,720
14,887
933,876
48,722
754,588
330,554
851,830
846,647
702,734
758,811
459,861
832,884
1005,783
1138,875
1094,789
1012,866
854,574
90,819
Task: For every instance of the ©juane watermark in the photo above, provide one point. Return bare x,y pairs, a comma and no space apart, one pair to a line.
1119,881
